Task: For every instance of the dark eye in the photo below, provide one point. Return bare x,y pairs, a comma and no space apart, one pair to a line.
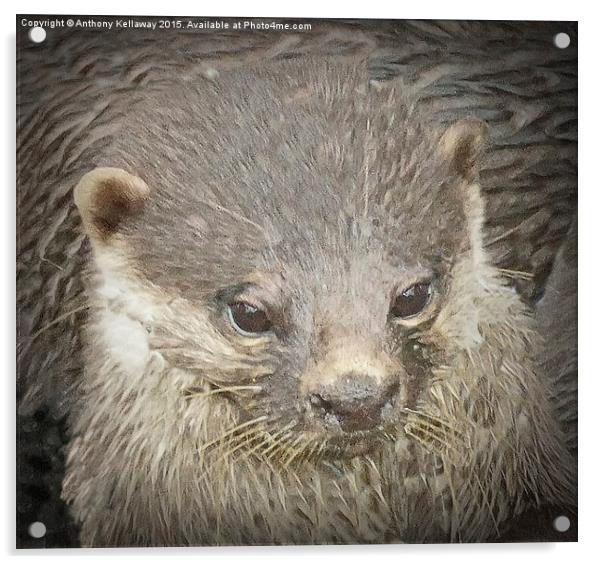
412,300
248,319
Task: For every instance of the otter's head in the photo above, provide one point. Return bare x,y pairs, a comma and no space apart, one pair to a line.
297,249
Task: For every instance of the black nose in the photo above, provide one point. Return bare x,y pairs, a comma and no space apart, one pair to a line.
355,401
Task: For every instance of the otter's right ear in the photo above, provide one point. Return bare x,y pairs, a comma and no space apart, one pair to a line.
463,144
106,198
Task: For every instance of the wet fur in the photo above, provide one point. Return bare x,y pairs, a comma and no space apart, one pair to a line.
154,463
184,447
53,309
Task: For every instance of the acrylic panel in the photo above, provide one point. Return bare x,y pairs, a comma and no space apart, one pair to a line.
295,281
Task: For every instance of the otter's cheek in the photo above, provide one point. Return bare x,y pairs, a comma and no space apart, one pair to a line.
126,339
418,362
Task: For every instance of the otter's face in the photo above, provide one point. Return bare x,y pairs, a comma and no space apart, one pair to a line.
303,302
347,353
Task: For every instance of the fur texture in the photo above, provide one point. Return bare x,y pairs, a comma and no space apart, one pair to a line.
72,106
297,182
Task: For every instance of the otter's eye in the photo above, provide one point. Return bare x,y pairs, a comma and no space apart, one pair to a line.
248,319
412,300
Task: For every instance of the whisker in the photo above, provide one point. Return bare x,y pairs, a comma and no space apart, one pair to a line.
322,448
239,441
520,275
295,451
432,418
306,450
253,432
233,430
427,426
429,431
248,438
269,439
314,451
58,320
288,449
502,236
418,439
277,447
221,391
429,437
283,431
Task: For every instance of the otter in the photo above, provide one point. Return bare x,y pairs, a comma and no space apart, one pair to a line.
295,331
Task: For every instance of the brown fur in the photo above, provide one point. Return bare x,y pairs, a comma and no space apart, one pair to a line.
322,203
70,107
109,200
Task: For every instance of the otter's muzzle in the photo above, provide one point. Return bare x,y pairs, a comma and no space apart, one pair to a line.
353,401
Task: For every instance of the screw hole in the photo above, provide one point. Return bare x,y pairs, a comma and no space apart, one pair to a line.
562,40
37,34
37,530
562,523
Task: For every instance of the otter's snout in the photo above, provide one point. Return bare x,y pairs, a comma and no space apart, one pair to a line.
354,401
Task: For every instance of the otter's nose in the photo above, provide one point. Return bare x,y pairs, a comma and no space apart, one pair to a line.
355,401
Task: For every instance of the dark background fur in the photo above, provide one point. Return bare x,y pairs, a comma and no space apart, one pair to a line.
508,73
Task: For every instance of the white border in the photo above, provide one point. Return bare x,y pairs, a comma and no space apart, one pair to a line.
590,396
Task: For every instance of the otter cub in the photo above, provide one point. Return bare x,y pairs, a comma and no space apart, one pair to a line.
295,335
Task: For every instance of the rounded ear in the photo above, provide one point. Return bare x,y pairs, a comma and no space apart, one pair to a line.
462,145
106,198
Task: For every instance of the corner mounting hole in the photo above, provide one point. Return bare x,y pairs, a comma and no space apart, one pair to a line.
37,530
37,34
562,40
562,523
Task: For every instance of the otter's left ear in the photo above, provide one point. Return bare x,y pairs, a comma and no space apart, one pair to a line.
462,145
